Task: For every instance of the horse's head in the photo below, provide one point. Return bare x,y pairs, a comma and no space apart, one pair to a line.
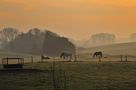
62,54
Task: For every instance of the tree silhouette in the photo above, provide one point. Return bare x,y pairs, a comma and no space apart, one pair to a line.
40,42
54,44
7,35
30,42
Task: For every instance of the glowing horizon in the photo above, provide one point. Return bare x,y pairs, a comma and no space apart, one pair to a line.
77,19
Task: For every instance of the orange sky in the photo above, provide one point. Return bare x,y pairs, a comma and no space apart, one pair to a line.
77,19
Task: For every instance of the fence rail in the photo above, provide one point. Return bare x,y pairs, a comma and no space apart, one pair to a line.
119,58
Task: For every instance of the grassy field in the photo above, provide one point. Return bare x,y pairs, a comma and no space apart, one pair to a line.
113,49
79,76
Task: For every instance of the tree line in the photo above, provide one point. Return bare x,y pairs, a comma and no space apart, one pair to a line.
34,41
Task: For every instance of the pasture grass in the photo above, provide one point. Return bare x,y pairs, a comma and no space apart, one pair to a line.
79,76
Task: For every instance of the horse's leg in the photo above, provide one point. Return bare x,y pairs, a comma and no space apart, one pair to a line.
61,56
64,57
94,56
101,55
70,57
67,57
97,56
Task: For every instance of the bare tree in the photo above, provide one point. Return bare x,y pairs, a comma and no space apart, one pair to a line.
9,34
34,31
30,42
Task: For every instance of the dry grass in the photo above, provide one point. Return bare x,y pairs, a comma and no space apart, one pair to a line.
80,76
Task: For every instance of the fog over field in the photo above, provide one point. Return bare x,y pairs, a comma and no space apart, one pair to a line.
101,39
67,44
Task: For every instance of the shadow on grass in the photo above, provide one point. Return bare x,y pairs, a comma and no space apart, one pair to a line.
3,71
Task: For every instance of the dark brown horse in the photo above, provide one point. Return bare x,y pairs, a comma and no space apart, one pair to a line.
44,57
98,55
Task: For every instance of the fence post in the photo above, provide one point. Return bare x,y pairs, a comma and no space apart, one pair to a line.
23,60
65,81
126,58
110,89
53,76
42,60
121,58
96,88
99,59
18,60
2,61
31,59
75,58
7,60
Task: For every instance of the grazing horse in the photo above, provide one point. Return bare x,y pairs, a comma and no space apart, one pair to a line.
98,54
43,57
65,55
